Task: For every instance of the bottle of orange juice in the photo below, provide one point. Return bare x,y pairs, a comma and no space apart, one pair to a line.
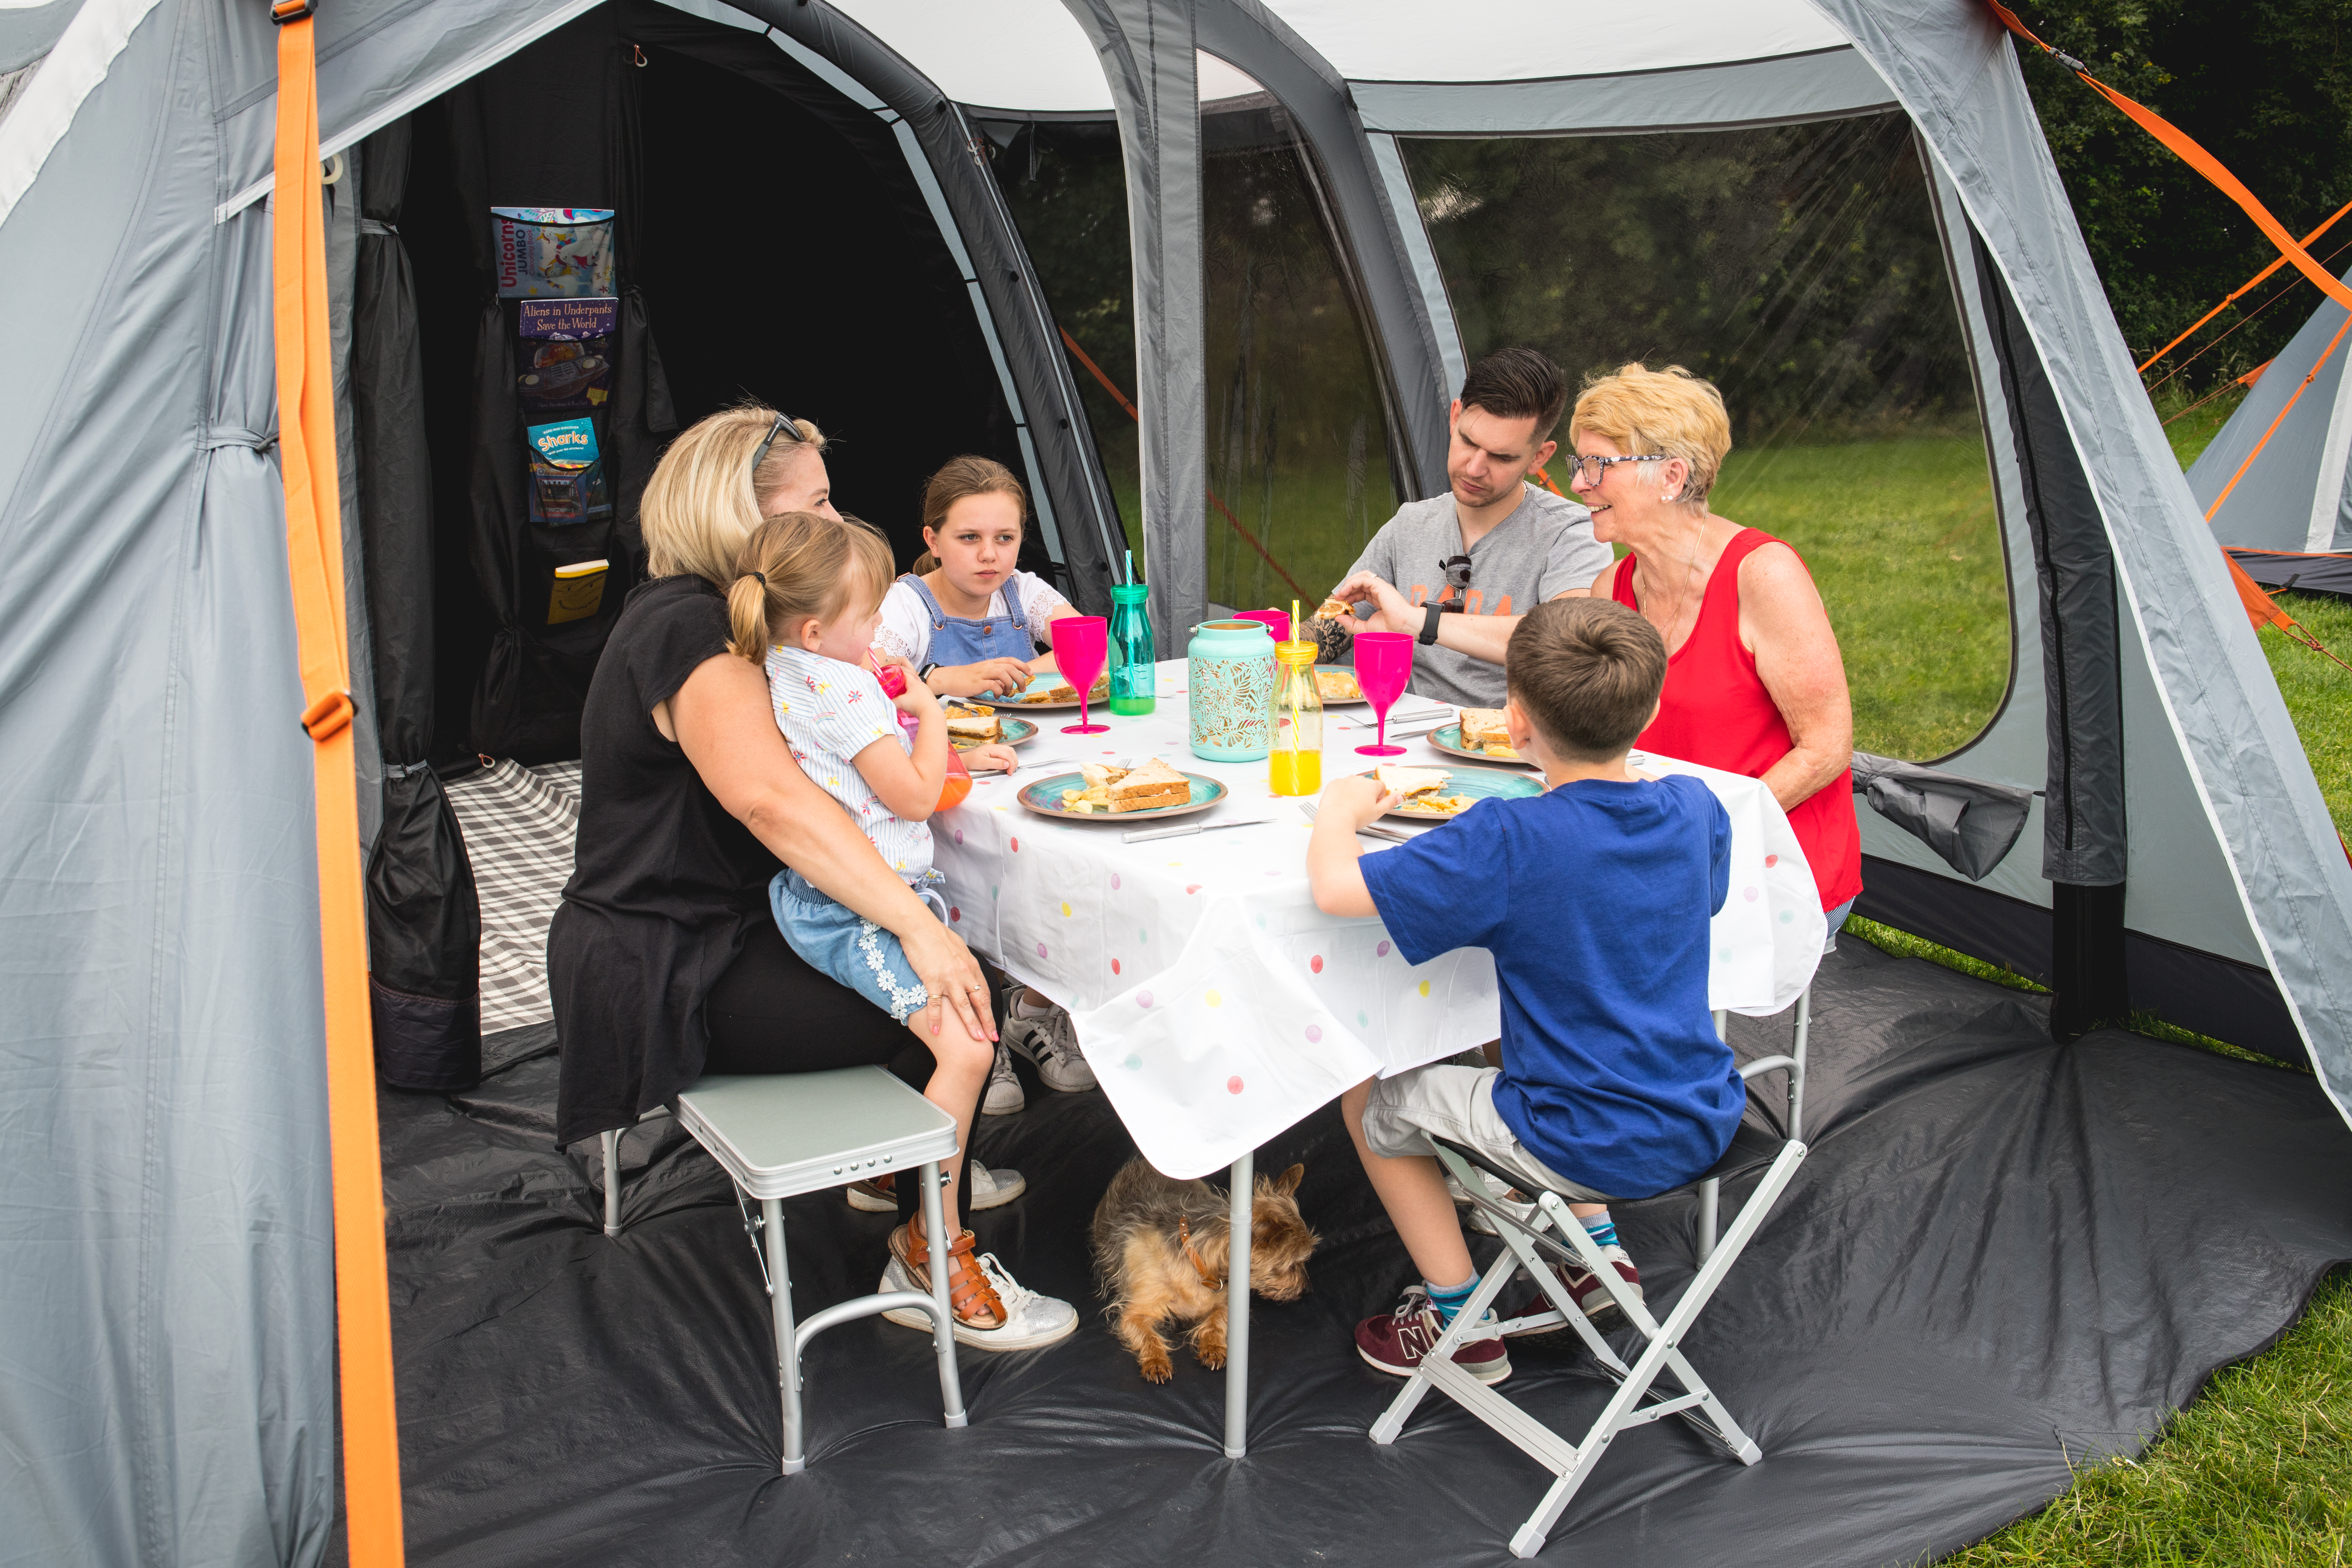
1295,766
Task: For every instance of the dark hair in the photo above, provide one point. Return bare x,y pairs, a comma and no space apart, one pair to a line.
1517,384
1587,673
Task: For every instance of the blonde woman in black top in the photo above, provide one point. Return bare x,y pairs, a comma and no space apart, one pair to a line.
663,960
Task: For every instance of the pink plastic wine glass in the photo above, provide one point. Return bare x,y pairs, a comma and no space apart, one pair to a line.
1081,646
1383,665
1275,621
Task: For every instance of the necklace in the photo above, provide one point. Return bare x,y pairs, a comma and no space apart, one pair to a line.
1692,596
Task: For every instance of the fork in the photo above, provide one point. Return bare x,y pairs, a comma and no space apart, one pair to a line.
1311,806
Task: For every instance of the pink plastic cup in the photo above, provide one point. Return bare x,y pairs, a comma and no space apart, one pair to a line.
1275,621
1081,647
1383,666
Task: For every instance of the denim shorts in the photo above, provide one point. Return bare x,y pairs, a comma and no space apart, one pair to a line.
838,941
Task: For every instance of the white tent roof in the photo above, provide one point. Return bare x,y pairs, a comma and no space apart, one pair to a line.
1032,55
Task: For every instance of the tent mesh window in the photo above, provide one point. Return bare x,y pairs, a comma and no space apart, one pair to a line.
1798,268
1300,471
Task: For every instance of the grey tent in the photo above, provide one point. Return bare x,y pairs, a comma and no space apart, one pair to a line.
166,1309
2282,457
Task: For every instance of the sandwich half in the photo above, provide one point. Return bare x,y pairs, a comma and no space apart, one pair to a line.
1410,782
1149,787
974,725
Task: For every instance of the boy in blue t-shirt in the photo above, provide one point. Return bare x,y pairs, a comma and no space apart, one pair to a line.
1594,899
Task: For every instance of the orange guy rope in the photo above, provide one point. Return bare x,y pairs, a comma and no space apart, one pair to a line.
2227,299
1214,500
2196,157
314,561
2298,391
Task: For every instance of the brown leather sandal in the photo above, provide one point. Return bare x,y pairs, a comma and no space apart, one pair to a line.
971,1296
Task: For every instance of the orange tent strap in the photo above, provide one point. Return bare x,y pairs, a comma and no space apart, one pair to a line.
2261,608
2186,148
2233,295
314,564
2280,419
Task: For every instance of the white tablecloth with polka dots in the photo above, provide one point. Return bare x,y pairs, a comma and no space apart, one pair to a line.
1217,1005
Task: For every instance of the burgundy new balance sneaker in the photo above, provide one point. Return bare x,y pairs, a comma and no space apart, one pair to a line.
1396,1342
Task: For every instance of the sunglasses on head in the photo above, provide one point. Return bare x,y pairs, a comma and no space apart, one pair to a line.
785,426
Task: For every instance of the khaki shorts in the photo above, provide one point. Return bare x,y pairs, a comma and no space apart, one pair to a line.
1457,1103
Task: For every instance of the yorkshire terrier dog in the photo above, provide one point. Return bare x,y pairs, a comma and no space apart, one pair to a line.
1161,1247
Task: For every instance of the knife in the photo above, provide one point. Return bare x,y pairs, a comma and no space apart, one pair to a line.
1178,832
1310,807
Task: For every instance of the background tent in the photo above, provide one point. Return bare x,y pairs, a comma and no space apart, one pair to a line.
2281,456
165,1139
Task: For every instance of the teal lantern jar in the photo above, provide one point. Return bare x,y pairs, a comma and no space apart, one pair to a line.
1230,681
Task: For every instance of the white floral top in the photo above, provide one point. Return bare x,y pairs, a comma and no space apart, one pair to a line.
830,712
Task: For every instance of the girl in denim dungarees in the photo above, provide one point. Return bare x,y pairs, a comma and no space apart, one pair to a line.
972,514
966,615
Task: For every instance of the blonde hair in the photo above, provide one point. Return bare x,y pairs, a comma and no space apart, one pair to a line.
703,501
1669,411
797,564
960,478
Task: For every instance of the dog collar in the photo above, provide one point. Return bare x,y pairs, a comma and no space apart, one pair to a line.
1185,1240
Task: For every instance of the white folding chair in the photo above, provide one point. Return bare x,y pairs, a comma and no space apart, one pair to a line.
1553,1232
786,1133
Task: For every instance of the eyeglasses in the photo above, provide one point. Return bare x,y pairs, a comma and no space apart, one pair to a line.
784,425
1597,469
1457,571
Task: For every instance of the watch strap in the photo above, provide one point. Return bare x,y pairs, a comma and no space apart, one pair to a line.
1429,626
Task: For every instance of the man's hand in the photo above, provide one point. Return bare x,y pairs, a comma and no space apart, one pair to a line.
1393,613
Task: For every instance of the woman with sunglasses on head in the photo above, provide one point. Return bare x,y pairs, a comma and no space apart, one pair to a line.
1754,683
664,961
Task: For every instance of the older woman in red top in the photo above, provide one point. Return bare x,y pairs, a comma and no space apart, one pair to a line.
1754,681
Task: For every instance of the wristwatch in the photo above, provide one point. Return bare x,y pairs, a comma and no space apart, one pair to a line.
1429,626
924,674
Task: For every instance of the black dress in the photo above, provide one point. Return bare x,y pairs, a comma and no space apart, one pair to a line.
663,961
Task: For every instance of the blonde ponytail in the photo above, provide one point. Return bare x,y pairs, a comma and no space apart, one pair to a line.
796,566
747,616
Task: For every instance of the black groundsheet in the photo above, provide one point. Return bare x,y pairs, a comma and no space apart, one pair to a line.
2003,1254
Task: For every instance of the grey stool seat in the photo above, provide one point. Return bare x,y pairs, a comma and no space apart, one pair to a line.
777,1135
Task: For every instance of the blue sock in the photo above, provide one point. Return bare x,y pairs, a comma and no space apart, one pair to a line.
1601,1228
1449,1303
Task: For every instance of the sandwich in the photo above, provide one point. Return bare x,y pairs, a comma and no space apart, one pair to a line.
1338,686
971,724
1411,782
1062,691
1481,731
1149,787
1334,610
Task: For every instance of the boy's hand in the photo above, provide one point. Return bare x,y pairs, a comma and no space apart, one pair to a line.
991,759
1359,802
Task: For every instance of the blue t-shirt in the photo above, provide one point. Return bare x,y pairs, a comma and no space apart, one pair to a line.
1594,899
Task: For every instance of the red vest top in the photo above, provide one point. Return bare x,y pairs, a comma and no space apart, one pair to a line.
1716,712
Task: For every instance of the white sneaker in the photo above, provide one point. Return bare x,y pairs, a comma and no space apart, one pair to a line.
989,1189
1031,1320
1004,1096
1051,1041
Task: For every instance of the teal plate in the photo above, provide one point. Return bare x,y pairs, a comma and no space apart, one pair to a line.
1449,739
1478,783
1017,732
1045,798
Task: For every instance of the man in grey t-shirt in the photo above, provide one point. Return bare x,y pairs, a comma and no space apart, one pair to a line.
1495,545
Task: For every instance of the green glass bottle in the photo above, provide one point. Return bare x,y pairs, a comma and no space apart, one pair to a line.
1134,665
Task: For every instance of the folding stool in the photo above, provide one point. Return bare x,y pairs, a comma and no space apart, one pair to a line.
1528,1240
777,1135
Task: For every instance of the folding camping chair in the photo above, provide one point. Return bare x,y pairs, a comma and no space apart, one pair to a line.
777,1136
1527,1240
